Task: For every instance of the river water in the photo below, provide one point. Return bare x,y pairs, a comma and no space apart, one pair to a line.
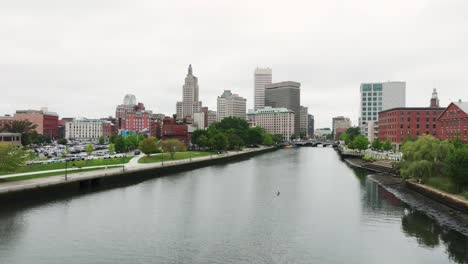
325,212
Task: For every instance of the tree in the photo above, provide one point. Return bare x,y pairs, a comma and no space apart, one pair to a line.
457,166
277,138
24,127
267,139
111,148
196,135
66,152
172,146
131,142
425,158
112,138
376,144
11,157
120,144
387,145
219,141
149,145
234,141
89,149
62,141
102,140
360,142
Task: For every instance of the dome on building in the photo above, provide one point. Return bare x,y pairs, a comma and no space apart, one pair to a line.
129,99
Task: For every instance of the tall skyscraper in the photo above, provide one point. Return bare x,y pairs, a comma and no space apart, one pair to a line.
287,95
262,77
377,97
304,121
311,126
190,103
230,104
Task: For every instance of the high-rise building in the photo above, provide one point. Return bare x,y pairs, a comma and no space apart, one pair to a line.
287,95
262,77
199,120
190,103
230,104
340,124
211,117
377,97
304,121
311,125
276,121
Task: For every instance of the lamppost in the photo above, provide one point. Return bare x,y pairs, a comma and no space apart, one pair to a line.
190,155
66,168
123,162
162,158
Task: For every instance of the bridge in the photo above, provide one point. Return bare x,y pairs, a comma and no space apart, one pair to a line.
315,143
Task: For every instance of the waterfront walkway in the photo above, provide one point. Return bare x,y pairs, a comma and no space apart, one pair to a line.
105,171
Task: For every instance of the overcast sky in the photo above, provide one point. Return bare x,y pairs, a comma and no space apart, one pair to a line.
80,58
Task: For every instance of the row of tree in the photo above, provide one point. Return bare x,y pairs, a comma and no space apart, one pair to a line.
232,133
354,140
428,157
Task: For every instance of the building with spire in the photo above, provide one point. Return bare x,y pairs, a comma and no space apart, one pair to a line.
190,103
401,123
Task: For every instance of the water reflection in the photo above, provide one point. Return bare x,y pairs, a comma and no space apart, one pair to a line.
430,234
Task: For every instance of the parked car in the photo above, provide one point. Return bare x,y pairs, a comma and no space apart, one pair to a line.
137,152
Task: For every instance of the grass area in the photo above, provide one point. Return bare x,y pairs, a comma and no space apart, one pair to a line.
465,194
42,175
177,156
441,183
71,164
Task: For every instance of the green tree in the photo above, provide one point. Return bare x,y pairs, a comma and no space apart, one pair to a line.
234,141
89,149
131,141
62,141
277,138
360,142
102,140
255,136
376,144
66,152
172,146
457,166
11,157
120,144
267,139
111,148
112,138
24,127
219,141
425,158
149,145
387,145
196,136
346,138
204,142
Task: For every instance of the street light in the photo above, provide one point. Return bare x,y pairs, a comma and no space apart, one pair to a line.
123,162
162,158
66,167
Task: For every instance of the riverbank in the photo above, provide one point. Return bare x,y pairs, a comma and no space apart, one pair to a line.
111,177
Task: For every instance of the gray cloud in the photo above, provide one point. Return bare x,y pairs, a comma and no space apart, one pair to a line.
81,57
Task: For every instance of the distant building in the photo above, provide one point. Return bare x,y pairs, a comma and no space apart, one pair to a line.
398,124
285,95
137,121
190,103
377,97
171,129
132,115
311,125
6,119
230,104
211,117
304,121
276,121
340,122
199,120
322,132
453,122
262,77
46,122
13,138
87,129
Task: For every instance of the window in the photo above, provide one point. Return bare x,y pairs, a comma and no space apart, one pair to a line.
377,87
366,87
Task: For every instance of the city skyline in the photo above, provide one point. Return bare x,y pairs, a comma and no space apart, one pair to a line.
83,66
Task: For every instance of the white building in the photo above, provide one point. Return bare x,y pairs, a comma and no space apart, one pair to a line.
199,120
190,103
230,104
85,128
304,120
377,97
276,121
262,76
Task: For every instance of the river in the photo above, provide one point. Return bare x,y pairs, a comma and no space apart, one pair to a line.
325,212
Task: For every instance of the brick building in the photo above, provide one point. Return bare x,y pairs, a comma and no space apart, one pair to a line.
6,119
172,130
47,122
453,122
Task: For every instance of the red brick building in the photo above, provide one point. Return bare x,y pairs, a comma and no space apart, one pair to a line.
7,119
173,130
136,121
47,122
398,124
453,122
